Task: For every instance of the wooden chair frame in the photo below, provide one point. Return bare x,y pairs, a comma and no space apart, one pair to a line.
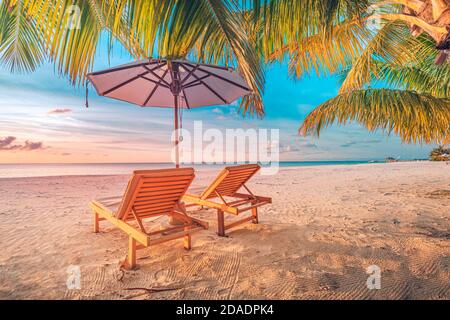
140,238
239,203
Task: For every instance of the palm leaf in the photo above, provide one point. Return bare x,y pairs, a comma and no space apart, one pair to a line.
325,54
414,117
207,30
421,74
73,48
289,21
431,79
391,43
21,47
214,29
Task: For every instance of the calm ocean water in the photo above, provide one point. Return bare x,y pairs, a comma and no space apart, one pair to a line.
43,170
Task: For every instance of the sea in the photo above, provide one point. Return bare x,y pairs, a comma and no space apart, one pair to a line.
64,169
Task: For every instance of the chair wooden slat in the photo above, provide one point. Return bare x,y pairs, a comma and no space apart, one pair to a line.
151,193
165,179
230,180
166,206
154,184
167,188
227,184
152,214
136,187
159,199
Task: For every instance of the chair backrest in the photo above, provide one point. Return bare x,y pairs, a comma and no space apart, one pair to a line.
154,192
230,180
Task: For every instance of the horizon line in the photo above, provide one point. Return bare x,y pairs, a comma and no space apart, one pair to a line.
203,163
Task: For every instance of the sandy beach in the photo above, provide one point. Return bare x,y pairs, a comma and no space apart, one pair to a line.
325,227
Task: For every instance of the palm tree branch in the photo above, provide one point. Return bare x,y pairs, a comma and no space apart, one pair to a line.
325,54
21,48
413,116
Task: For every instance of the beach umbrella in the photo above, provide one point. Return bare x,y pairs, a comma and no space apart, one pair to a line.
170,84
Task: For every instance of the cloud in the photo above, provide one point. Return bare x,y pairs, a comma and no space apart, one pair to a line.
348,144
363,142
29,146
59,111
308,144
66,154
297,147
372,141
217,110
6,144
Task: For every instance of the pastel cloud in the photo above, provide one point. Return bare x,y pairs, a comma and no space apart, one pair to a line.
7,144
297,147
29,146
363,142
348,144
60,111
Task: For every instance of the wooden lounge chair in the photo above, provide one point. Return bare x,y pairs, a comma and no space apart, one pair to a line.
149,194
225,186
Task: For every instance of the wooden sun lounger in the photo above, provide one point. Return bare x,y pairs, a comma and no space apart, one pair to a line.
227,185
150,194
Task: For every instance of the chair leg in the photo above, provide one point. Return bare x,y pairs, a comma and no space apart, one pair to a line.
255,215
220,223
96,223
187,242
131,258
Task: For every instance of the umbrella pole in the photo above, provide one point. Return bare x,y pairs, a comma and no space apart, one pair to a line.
176,141
173,220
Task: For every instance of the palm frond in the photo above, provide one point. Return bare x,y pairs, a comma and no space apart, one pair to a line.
414,117
171,29
229,26
421,74
207,30
390,43
288,21
325,54
431,79
72,44
21,47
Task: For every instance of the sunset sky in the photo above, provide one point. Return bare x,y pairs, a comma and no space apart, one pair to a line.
43,119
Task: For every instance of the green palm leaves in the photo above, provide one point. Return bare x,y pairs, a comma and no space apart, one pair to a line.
327,36
413,116
416,103
21,48
210,30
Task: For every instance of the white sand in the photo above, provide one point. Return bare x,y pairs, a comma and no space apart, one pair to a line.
325,227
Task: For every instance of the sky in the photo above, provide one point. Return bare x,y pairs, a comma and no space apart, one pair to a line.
43,119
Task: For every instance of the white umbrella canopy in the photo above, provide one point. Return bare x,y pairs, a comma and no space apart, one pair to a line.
153,83
170,84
